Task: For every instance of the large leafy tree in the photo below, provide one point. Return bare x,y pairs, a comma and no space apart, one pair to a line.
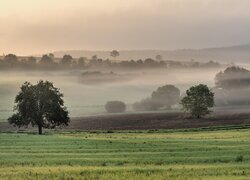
39,105
198,100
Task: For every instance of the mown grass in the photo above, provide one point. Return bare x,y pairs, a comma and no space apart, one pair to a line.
222,154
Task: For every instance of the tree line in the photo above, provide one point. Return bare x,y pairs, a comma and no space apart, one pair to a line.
50,62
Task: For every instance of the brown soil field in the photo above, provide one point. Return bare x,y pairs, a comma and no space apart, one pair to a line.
150,121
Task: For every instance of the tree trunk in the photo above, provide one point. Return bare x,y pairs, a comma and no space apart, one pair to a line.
40,129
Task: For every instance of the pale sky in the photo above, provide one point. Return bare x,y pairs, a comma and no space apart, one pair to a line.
39,26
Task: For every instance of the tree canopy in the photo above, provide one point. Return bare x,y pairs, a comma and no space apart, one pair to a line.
39,105
114,53
198,100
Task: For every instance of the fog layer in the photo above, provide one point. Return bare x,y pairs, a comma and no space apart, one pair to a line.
86,99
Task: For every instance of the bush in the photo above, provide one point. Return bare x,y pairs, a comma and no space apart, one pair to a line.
115,107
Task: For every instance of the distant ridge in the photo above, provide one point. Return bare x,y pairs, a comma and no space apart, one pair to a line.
237,54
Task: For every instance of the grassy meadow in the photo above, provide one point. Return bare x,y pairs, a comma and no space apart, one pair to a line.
221,154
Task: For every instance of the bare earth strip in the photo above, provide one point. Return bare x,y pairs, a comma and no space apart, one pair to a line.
150,121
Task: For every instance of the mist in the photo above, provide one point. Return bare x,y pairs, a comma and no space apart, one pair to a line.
83,99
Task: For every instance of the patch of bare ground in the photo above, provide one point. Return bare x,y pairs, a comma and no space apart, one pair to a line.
149,121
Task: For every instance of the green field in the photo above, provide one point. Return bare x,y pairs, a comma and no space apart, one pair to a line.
137,155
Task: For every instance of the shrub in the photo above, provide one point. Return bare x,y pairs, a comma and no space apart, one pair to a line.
115,107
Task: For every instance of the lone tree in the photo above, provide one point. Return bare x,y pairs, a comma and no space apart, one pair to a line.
39,105
198,100
114,54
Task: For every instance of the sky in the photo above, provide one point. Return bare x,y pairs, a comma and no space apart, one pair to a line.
39,26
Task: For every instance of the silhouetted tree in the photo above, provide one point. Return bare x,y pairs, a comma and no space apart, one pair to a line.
67,60
114,54
198,100
39,105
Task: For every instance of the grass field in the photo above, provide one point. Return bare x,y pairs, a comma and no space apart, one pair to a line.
135,155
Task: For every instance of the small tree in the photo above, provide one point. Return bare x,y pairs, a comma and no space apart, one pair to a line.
115,106
198,100
114,54
158,57
39,105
